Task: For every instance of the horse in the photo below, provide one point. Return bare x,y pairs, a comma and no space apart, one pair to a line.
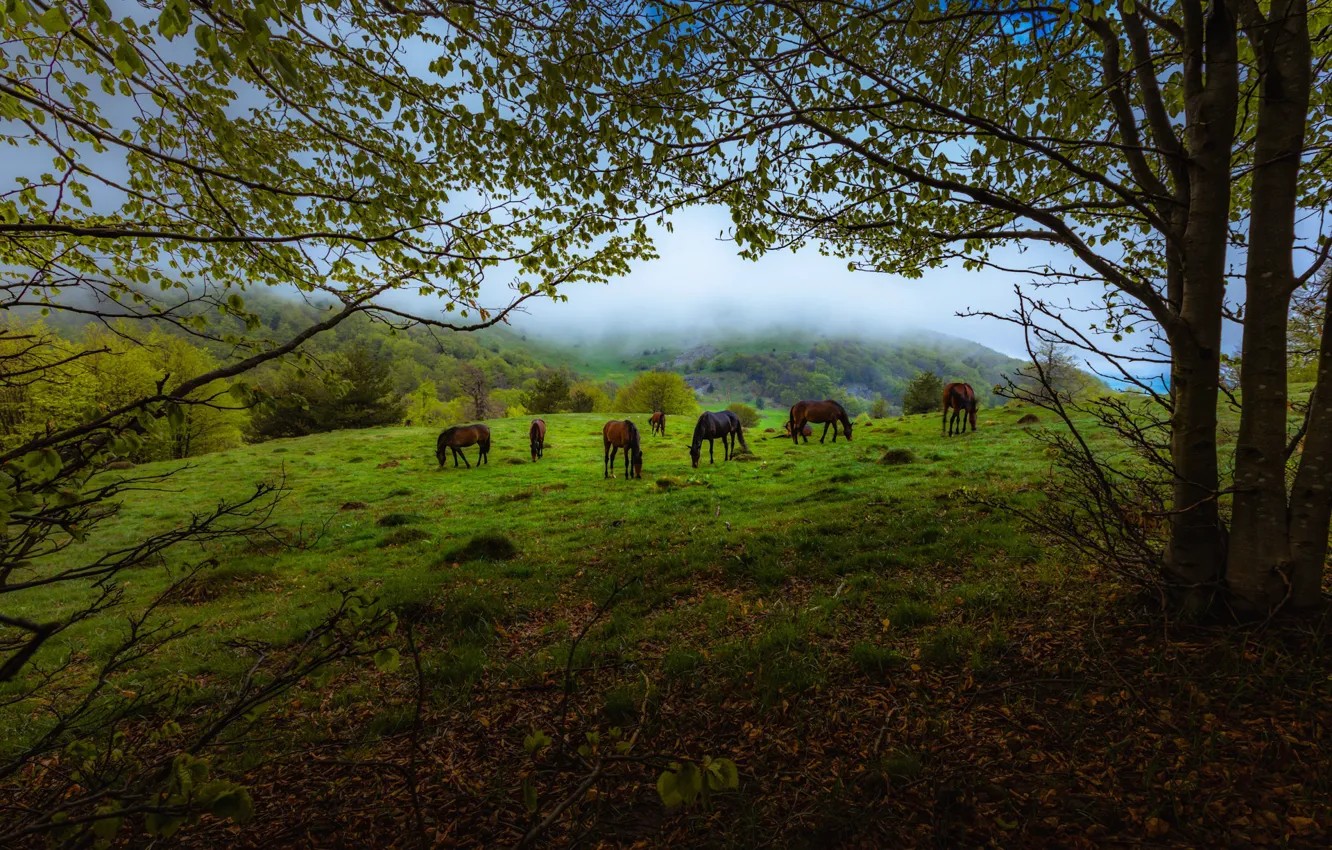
724,424
961,400
537,433
460,437
616,435
805,432
828,412
658,423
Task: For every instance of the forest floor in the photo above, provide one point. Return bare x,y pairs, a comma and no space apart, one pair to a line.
887,662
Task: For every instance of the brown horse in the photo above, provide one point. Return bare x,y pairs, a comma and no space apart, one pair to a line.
616,435
537,433
658,423
805,432
828,412
960,399
460,437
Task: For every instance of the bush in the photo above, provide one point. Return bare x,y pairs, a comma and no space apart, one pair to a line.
586,397
653,391
749,417
924,394
879,409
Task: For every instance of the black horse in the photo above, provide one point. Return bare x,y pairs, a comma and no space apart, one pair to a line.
725,425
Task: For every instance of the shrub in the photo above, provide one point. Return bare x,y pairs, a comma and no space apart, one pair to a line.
653,391
879,409
749,417
924,394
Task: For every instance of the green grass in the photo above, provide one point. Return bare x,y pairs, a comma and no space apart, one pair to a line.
530,549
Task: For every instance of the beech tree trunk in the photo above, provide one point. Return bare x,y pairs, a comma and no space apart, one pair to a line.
1259,563
1311,494
1195,555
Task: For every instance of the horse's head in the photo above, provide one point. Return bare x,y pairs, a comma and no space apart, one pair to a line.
638,462
972,415
696,452
848,429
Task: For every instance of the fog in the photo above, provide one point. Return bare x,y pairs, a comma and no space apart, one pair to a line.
700,289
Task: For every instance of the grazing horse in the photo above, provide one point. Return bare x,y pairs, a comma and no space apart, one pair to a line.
725,425
460,437
658,423
961,400
537,433
828,412
618,435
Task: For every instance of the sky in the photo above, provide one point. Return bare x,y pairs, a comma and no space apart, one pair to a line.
700,287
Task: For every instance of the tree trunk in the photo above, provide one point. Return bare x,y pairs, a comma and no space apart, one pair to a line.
1258,566
1311,494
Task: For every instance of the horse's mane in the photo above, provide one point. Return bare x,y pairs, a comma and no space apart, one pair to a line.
837,404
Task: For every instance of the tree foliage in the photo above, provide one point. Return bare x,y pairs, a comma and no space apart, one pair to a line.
749,416
924,394
652,391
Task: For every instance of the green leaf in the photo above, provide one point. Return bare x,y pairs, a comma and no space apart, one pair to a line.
689,781
536,742
530,801
723,775
669,791
228,801
386,660
54,20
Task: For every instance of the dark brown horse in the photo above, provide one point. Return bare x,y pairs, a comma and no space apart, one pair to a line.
537,433
616,435
658,423
460,437
725,425
828,412
960,399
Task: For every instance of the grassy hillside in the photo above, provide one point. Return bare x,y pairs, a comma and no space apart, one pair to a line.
888,662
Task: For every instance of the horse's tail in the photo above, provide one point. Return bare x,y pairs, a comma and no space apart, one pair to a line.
740,431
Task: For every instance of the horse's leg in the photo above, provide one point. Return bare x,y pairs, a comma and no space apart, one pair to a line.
605,460
464,457
834,427
825,432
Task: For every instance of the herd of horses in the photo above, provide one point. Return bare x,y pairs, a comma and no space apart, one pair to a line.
622,435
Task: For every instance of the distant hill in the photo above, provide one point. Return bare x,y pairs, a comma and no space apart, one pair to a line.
776,366
784,367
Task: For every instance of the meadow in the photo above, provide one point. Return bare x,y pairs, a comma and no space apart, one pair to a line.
887,660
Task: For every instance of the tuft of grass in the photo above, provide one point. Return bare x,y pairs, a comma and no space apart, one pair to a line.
875,659
459,667
982,598
354,506
395,519
403,536
900,764
909,614
1029,419
842,478
484,547
515,461
401,491
897,457
621,704
948,645
679,663
356,459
